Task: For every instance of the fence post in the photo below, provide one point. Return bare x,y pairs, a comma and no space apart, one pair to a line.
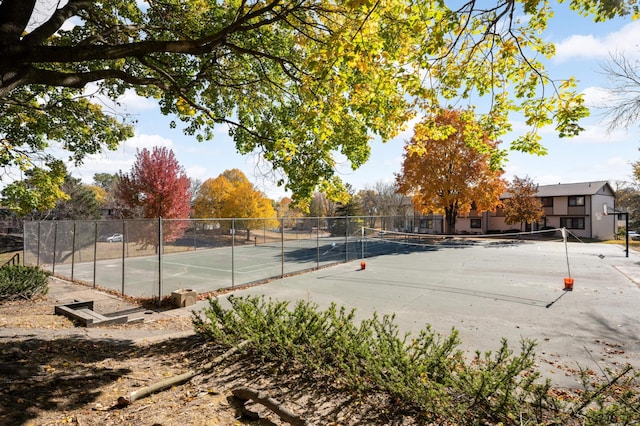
24,246
123,278
233,243
318,242
95,251
282,246
160,238
39,243
55,248
346,238
73,250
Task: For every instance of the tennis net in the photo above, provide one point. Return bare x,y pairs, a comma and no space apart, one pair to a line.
378,240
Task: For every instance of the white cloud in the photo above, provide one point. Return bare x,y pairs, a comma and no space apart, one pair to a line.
597,97
589,46
599,133
120,160
197,172
146,141
129,103
548,179
132,102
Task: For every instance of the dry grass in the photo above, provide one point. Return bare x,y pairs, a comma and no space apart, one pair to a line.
5,257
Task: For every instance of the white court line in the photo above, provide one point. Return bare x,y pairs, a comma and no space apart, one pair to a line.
242,270
240,253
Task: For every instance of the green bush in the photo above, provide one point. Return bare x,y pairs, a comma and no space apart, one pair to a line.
22,282
425,372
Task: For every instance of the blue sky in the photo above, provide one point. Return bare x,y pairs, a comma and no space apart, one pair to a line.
582,48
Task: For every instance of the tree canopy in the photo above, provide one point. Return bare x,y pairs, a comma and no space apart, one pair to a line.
297,81
156,186
232,195
39,191
522,205
444,171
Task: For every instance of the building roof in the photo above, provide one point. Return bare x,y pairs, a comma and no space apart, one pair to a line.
580,188
567,189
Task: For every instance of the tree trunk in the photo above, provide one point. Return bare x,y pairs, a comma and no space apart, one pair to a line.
124,401
244,393
450,220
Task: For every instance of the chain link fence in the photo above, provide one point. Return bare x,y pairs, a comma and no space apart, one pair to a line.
151,258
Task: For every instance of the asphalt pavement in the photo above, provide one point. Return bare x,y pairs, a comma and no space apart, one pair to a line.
503,289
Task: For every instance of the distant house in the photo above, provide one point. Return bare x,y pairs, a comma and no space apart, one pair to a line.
110,211
575,206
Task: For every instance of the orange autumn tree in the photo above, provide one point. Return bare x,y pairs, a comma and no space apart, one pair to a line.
447,167
521,204
211,197
232,195
288,212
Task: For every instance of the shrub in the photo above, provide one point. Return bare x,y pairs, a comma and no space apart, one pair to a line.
425,372
22,282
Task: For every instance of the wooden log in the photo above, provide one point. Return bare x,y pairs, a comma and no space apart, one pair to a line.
244,393
170,382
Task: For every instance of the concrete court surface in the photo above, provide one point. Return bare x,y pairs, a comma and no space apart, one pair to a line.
497,289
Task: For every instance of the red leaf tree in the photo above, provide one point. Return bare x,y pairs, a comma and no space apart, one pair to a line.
157,186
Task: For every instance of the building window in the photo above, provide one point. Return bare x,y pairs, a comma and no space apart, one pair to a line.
572,222
426,223
547,201
576,200
476,223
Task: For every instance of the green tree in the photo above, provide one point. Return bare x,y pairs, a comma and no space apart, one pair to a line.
100,193
352,207
445,170
297,81
106,187
39,191
346,220
522,205
81,205
105,181
628,200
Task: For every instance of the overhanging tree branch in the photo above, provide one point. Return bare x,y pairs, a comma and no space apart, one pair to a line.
14,17
79,80
54,23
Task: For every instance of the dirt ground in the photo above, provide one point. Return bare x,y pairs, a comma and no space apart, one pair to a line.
74,379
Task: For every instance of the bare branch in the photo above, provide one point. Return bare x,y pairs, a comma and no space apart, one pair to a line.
625,109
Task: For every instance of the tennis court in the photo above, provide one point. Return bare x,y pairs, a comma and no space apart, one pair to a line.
490,289
210,269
